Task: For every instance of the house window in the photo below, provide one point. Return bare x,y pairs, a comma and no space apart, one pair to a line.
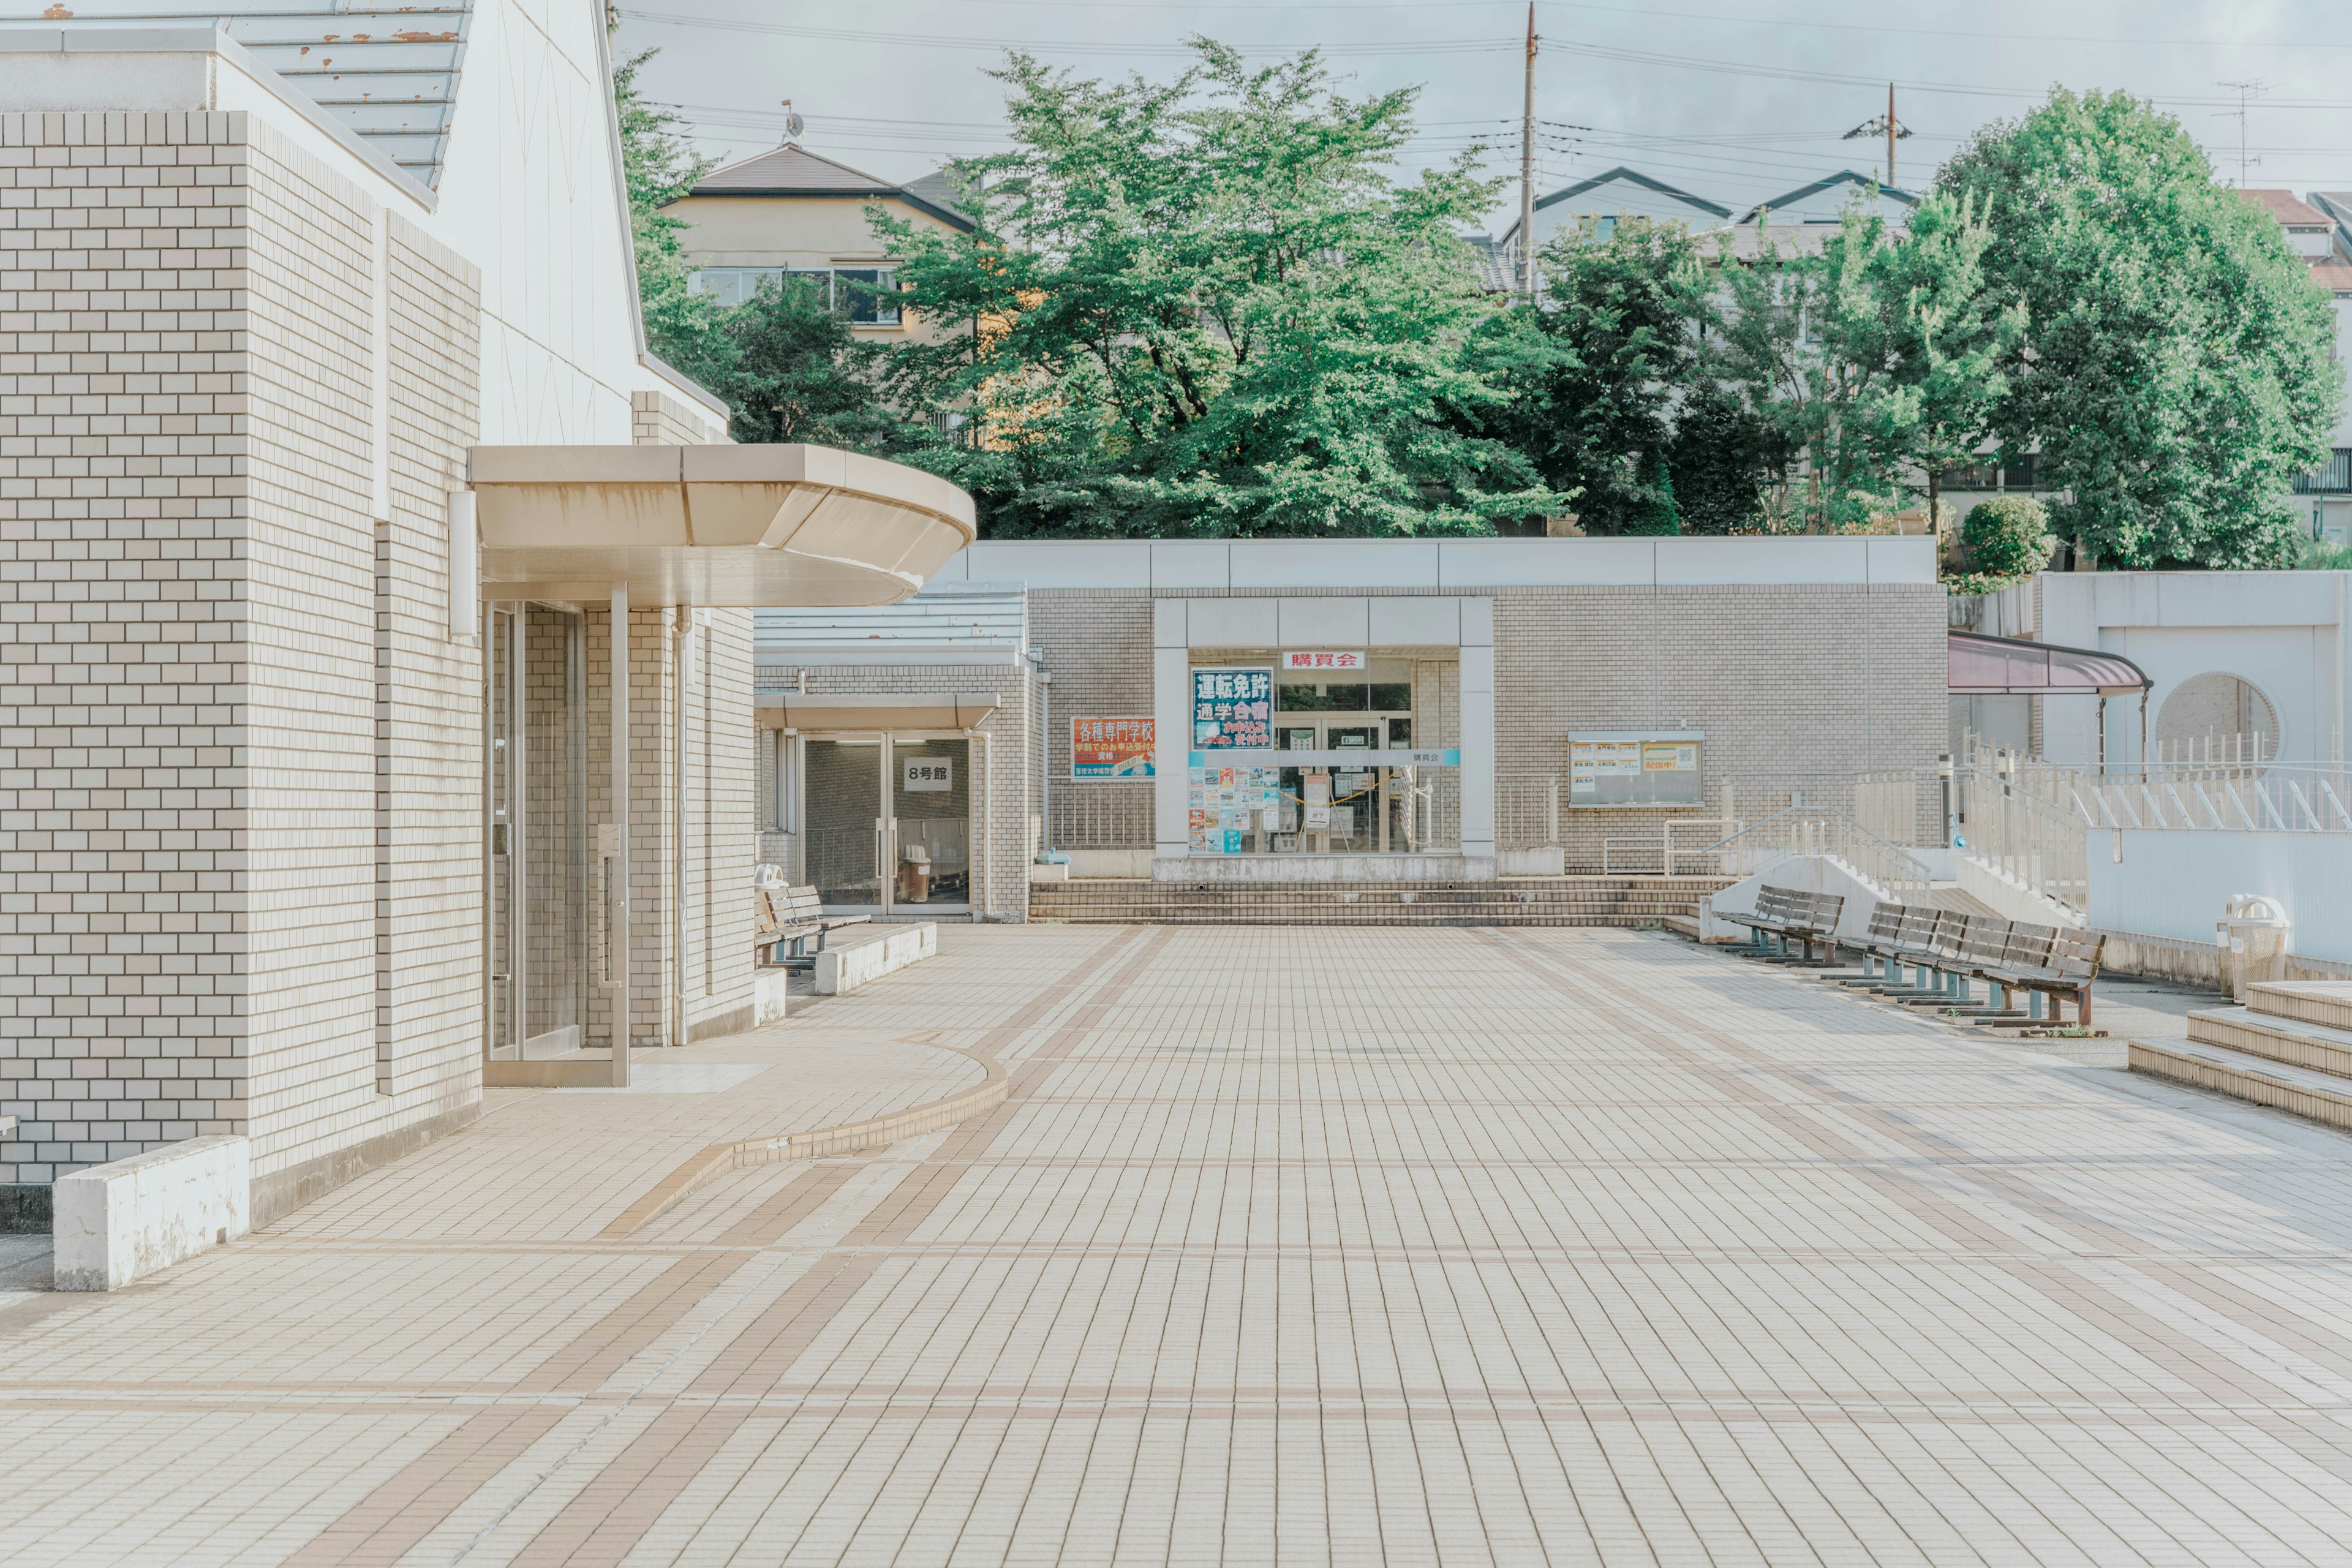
866,295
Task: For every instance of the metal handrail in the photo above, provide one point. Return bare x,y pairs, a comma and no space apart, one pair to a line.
1886,869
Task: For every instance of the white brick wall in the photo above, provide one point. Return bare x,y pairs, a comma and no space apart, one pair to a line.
188,623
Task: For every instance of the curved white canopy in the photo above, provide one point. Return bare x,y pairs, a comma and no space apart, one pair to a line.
740,526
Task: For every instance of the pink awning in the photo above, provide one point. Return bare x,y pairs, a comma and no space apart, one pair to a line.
1982,665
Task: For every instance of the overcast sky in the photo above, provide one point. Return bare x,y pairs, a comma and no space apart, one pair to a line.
1736,99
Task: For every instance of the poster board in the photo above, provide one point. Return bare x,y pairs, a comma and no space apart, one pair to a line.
1111,748
1232,710
1231,808
1635,767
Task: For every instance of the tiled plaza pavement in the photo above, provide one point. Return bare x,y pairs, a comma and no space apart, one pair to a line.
1372,1244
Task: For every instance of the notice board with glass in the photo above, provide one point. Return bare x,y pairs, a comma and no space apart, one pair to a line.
1633,767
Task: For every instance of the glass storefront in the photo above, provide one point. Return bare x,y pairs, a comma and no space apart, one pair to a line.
1311,751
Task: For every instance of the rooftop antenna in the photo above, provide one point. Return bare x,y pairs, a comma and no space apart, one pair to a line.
1885,125
2247,92
794,124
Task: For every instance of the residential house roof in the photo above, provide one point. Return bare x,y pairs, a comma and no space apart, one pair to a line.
2336,273
2326,213
389,73
1828,183
1745,241
1493,261
1700,206
2292,211
1632,176
791,170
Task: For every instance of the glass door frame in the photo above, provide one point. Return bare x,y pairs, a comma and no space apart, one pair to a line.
886,819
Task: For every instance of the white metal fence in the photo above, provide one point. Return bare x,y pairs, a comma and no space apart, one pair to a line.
1527,811
1808,830
2282,797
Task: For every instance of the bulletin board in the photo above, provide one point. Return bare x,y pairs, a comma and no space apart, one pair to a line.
1635,767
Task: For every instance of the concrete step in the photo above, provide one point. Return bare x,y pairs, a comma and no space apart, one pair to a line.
2321,1097
2327,1002
2279,1039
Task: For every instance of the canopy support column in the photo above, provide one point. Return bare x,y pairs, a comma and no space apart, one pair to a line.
616,896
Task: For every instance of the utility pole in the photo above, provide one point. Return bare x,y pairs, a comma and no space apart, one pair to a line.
1893,129
1890,137
1527,168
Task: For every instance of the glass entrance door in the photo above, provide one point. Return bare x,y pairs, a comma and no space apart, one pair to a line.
931,809
845,823
888,824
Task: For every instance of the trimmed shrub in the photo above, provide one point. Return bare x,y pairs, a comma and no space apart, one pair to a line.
2008,537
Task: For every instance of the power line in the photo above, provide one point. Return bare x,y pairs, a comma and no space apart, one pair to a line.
1648,13
1417,47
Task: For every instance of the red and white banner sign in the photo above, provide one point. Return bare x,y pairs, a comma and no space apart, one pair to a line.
1304,661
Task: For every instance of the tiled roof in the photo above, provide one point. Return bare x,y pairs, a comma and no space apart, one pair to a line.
2287,208
390,74
2334,273
1492,259
791,170
1632,177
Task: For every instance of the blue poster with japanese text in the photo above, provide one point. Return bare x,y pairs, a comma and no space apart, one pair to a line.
1232,708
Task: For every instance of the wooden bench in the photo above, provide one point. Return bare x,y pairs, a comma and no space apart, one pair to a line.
784,918
2009,955
2044,961
1907,934
1783,914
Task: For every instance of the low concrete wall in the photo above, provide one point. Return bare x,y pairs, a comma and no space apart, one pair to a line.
2196,964
1121,864
1551,861
841,970
2175,883
119,1222
769,989
1798,873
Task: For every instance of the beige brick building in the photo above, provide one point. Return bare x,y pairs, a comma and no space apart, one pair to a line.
1437,711
298,835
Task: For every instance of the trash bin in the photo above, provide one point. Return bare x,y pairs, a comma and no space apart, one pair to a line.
913,875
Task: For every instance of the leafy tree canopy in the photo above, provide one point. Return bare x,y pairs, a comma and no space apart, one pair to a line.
659,167
2175,373
1878,359
1589,378
784,361
1203,307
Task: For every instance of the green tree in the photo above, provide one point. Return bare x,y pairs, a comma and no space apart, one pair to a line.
681,326
784,361
2175,372
1721,459
794,371
1592,375
1204,307
1921,315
